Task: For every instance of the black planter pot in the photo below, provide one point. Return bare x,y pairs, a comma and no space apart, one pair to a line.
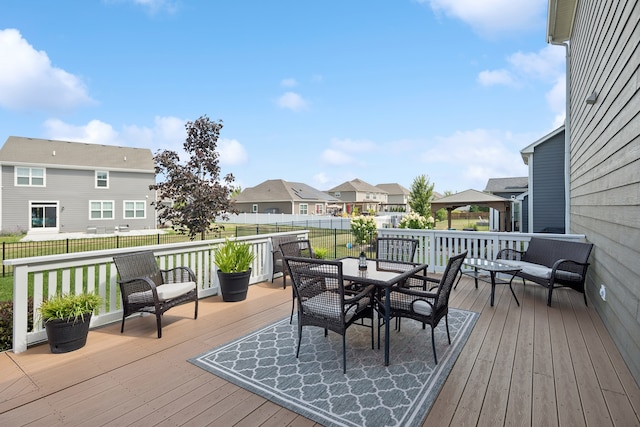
65,336
234,286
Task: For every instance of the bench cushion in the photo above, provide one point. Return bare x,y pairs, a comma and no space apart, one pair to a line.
541,271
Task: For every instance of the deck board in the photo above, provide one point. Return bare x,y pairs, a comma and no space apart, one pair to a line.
526,365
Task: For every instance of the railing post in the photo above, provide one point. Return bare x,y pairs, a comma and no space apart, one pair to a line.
20,308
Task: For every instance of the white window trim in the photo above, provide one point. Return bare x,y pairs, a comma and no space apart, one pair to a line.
15,176
306,206
254,208
96,180
135,203
113,207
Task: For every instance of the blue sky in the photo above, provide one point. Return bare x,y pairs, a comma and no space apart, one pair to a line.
319,92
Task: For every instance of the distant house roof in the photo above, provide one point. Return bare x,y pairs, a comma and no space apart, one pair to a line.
279,190
78,155
507,185
393,188
357,185
528,150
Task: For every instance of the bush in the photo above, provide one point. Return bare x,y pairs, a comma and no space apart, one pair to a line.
6,323
416,221
363,229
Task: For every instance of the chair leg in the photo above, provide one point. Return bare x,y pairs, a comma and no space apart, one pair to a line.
550,292
122,327
446,321
299,338
195,314
284,280
433,345
159,324
344,353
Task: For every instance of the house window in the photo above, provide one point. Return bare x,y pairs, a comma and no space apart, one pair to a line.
304,208
31,177
134,209
101,209
336,194
319,210
254,208
102,179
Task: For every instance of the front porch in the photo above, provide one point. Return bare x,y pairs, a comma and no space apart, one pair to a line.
527,365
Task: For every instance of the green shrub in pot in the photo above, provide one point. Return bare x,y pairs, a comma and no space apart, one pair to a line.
233,256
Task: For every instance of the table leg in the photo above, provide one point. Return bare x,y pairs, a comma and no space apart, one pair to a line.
387,319
512,292
475,269
493,285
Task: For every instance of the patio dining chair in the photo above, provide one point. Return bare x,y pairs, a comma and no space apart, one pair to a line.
295,248
145,288
428,307
322,302
277,257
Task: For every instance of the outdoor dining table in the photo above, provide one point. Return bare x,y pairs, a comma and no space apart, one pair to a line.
383,274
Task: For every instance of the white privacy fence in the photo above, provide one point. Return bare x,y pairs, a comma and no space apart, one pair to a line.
94,271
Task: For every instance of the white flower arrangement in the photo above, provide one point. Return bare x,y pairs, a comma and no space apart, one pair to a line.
416,221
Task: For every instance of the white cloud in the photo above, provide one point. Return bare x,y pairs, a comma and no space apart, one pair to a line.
556,98
94,132
29,81
495,77
290,82
292,101
167,133
472,157
347,151
231,152
353,146
493,16
547,63
152,6
336,157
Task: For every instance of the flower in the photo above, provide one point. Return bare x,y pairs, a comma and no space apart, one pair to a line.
416,221
363,228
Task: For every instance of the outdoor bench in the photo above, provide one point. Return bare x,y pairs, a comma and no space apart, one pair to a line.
551,263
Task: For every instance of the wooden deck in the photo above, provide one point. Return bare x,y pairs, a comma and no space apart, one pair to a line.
527,365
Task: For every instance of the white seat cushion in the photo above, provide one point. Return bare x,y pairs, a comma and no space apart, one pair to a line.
165,292
529,268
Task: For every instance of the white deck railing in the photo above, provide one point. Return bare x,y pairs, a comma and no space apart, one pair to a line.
95,271
45,275
437,246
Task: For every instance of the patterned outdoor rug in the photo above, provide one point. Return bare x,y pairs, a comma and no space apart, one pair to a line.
370,394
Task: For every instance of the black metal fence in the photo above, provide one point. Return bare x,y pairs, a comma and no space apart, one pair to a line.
336,242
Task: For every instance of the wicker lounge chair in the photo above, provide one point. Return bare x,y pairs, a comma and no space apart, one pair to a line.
318,285
426,306
145,288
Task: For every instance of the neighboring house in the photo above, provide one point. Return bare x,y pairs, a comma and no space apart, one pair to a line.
545,198
397,198
514,189
361,195
280,196
603,167
60,186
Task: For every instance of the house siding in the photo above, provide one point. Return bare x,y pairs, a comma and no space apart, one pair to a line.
548,185
605,162
72,190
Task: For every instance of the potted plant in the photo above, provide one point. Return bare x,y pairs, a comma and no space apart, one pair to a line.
66,319
234,260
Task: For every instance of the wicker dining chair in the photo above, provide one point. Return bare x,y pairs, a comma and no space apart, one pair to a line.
145,288
278,259
428,307
295,248
322,302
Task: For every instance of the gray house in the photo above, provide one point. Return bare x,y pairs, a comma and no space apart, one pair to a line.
603,167
546,196
361,195
58,186
514,189
397,197
280,196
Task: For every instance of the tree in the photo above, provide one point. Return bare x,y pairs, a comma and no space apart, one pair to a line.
194,186
420,195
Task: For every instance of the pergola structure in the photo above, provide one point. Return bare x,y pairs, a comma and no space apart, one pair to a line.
475,197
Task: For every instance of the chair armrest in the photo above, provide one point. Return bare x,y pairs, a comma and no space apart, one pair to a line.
178,275
138,285
414,292
361,294
510,254
571,270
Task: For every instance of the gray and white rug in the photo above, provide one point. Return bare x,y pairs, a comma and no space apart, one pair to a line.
370,394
